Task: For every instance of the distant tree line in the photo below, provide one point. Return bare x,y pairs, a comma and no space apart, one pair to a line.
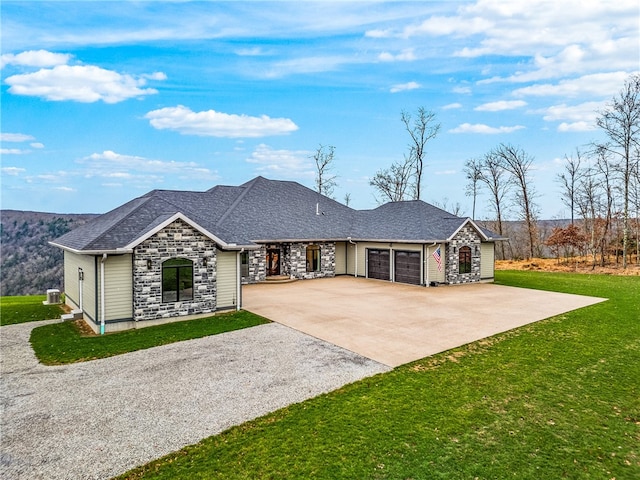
29,265
600,184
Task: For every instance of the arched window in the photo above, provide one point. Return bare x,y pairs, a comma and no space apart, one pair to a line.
313,258
464,260
177,280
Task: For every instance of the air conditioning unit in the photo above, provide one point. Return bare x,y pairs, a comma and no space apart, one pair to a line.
53,296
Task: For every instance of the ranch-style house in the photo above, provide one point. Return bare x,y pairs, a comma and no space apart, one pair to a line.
171,255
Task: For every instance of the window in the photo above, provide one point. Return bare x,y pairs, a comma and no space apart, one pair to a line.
244,264
464,259
177,280
313,258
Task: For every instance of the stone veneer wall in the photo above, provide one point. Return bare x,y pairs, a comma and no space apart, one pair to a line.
468,237
295,260
176,240
257,265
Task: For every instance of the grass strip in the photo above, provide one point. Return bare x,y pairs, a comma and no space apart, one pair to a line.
62,343
558,398
27,309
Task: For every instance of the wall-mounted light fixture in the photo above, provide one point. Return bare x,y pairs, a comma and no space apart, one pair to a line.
205,261
477,249
149,264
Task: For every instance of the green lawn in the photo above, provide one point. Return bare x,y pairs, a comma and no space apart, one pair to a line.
62,343
556,399
27,309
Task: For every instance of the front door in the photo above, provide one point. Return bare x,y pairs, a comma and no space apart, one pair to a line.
273,261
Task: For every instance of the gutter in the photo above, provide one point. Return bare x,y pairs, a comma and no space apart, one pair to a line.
102,294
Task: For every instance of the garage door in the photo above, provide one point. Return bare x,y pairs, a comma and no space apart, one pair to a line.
378,264
407,267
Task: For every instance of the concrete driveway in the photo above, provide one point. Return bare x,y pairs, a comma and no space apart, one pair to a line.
394,323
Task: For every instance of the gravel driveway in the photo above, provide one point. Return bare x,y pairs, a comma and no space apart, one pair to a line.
98,419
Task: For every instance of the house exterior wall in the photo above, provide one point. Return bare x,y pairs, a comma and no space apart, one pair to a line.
73,262
466,236
118,287
177,240
361,258
434,274
294,260
487,260
341,258
257,267
226,279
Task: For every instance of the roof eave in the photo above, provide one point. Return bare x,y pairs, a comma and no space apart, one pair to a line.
108,251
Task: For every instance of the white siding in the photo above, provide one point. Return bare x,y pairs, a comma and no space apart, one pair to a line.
487,260
433,274
226,280
341,260
72,262
351,261
118,287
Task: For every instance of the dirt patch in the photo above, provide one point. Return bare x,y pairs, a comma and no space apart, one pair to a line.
84,329
573,265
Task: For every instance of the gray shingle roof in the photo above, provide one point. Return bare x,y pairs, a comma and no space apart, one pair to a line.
263,210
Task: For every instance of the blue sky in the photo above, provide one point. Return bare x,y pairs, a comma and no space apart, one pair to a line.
104,101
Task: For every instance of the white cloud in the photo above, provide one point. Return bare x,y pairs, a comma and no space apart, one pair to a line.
289,164
112,165
12,151
15,137
36,145
65,189
462,90
571,37
597,84
484,129
407,55
79,83
12,171
452,106
216,124
578,118
500,105
576,127
35,58
403,87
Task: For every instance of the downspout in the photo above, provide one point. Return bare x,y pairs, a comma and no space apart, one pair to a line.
81,287
356,265
239,279
427,260
102,295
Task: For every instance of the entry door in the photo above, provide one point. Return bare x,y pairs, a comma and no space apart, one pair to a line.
407,267
273,261
378,264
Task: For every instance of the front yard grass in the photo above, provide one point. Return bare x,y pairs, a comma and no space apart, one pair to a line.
27,309
556,399
62,343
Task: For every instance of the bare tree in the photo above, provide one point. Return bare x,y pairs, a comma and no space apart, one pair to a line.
518,163
347,199
421,129
392,183
569,180
473,173
494,176
620,121
325,180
